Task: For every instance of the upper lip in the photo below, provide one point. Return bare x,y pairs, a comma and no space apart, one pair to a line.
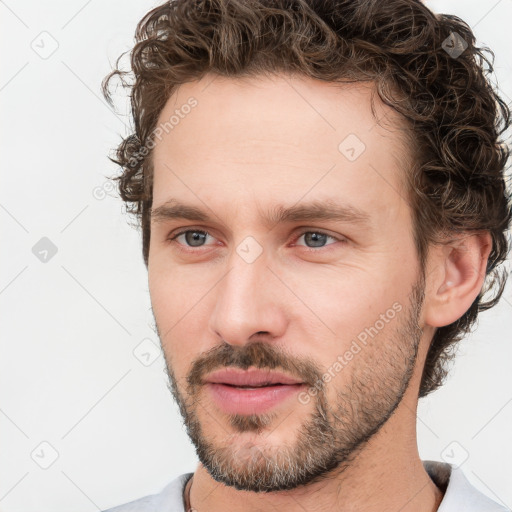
254,377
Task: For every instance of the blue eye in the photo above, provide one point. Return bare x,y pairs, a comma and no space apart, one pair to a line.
195,240
317,238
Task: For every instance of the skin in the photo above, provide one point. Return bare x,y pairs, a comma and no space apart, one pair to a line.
246,147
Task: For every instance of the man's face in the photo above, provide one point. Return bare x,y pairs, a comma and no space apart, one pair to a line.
331,303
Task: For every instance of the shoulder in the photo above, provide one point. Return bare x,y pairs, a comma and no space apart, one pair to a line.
170,498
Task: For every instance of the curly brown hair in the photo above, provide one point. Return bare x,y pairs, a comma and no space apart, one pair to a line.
424,65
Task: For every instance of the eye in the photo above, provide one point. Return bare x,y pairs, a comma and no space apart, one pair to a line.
317,239
192,237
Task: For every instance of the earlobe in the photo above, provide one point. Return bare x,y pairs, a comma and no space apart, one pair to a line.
461,265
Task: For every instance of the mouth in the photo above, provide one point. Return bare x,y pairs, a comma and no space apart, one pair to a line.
267,385
250,391
251,378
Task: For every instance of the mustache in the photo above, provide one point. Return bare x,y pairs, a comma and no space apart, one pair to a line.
257,354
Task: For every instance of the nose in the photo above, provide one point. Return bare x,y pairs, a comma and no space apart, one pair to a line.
249,301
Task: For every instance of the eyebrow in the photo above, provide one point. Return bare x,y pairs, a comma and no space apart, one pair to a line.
325,210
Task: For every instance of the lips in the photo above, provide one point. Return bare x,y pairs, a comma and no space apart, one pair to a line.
251,378
251,391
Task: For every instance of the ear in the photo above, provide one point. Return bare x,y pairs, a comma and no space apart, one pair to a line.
456,273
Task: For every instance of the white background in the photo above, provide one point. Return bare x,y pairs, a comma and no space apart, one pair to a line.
69,326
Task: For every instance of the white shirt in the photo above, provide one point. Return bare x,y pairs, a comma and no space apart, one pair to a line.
459,494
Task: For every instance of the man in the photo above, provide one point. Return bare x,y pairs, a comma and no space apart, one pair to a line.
321,194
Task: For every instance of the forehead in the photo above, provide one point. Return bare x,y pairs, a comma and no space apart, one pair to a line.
268,136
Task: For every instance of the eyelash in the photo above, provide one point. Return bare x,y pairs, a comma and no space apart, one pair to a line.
307,249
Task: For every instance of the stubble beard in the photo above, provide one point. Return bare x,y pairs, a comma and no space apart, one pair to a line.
327,441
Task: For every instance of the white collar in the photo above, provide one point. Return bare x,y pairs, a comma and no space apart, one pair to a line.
459,494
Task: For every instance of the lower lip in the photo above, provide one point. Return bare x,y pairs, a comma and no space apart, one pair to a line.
233,400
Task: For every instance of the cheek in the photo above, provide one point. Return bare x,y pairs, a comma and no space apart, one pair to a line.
164,297
175,291
342,302
175,303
